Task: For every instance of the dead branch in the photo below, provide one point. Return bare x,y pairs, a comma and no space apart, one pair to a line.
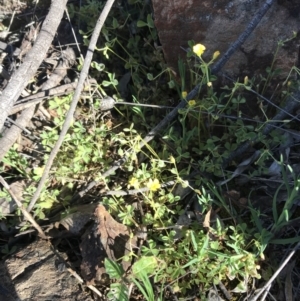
43,95
32,61
67,60
11,135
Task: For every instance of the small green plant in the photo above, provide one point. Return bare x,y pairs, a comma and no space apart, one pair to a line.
281,218
118,290
221,245
14,160
202,256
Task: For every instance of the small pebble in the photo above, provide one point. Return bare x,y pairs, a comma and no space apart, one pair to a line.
107,103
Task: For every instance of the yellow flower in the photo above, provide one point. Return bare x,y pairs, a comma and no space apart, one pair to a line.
209,84
199,49
246,80
184,94
216,54
172,159
134,182
153,185
192,103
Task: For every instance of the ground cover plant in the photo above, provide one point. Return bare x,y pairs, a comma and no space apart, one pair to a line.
209,224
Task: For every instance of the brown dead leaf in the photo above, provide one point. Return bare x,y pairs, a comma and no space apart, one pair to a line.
206,222
243,201
109,124
106,239
234,196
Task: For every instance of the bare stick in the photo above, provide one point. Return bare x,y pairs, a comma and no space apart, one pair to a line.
32,60
83,75
24,211
34,99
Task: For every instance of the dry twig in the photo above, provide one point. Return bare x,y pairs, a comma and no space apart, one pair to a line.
31,63
91,287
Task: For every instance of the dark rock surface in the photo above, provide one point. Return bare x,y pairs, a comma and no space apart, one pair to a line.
218,23
35,274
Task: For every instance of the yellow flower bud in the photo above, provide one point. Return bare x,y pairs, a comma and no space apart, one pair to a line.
192,103
184,94
216,54
172,160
